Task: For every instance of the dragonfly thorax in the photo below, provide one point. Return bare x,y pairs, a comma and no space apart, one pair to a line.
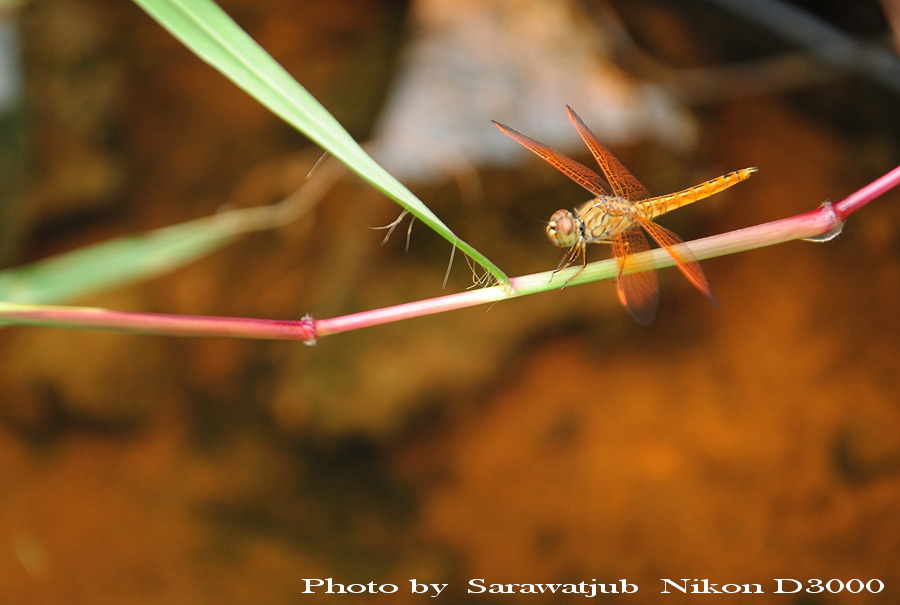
565,229
605,216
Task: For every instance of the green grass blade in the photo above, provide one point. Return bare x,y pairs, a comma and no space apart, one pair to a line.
213,36
123,260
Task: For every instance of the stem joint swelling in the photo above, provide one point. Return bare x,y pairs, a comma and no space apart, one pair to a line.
837,220
308,326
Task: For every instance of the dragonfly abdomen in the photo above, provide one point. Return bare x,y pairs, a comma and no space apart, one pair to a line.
657,206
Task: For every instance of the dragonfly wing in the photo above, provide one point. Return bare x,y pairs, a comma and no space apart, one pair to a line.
576,171
624,183
681,254
638,292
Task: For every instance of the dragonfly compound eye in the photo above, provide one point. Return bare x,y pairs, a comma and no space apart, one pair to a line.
562,230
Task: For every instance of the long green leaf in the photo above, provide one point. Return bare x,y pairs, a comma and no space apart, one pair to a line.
125,259
213,36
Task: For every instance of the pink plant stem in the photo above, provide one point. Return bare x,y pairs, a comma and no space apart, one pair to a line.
821,224
92,318
816,223
857,200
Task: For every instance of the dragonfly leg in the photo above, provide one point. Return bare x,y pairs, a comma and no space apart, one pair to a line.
571,256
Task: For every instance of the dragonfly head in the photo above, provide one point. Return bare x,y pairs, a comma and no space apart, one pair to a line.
564,229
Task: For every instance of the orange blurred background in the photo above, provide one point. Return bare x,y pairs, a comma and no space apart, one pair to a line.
544,439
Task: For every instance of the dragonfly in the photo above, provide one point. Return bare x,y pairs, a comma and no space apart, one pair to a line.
617,214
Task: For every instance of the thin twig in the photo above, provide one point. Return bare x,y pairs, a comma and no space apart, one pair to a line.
829,44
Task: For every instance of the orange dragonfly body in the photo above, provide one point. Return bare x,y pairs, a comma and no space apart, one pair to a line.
616,217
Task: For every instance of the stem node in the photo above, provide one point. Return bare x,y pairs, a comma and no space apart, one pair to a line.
837,222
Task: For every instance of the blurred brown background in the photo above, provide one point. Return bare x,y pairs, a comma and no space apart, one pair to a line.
547,439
